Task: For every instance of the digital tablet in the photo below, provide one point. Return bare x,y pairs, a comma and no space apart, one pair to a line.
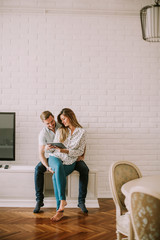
60,145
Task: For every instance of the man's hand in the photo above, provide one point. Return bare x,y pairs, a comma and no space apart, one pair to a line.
80,158
50,170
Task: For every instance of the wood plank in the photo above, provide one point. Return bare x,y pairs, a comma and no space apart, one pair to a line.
22,223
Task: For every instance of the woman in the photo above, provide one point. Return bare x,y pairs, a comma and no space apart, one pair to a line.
63,161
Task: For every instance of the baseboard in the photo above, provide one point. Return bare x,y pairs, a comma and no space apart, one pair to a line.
48,203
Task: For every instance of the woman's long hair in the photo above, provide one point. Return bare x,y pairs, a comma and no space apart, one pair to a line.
73,120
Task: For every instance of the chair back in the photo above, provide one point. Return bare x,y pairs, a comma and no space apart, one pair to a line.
145,213
120,173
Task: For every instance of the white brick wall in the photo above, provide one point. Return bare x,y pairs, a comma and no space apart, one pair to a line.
93,62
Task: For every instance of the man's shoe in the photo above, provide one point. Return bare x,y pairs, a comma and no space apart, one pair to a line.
38,206
83,207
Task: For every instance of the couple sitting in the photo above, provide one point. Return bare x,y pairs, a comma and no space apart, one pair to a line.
61,162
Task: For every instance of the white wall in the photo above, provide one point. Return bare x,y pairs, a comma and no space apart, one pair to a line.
89,56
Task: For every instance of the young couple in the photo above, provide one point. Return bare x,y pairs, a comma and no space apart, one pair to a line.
61,162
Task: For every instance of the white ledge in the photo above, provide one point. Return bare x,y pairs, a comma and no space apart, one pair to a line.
68,11
27,168
18,168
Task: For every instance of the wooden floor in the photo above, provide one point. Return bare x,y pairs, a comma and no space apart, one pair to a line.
19,223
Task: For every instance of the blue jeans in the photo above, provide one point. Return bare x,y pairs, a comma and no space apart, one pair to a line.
59,177
80,166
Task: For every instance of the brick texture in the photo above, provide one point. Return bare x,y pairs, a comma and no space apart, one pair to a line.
97,64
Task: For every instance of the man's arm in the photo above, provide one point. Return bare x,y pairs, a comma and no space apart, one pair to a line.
43,158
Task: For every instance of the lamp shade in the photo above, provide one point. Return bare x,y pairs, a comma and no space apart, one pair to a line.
150,22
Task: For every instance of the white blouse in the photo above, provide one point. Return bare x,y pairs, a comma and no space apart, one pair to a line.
75,143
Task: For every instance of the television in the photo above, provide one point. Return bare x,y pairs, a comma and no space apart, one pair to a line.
7,136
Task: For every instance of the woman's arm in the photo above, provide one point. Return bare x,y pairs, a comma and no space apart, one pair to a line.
78,151
81,149
56,139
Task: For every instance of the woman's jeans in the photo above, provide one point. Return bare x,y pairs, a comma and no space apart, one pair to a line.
59,177
80,166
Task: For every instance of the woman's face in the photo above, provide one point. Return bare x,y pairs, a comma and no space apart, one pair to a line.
65,120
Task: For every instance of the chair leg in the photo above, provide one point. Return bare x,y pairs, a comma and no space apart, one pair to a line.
119,236
131,232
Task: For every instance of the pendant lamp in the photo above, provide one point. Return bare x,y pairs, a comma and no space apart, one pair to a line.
150,22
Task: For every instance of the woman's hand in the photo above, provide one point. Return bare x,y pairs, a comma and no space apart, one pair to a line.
61,150
48,147
57,148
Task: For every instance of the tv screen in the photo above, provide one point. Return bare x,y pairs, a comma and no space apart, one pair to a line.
7,136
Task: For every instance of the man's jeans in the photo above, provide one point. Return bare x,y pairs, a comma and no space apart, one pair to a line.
81,167
83,170
39,181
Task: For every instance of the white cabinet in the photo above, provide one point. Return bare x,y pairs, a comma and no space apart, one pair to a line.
17,182
17,188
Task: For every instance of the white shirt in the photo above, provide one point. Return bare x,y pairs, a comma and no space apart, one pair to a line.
75,143
46,136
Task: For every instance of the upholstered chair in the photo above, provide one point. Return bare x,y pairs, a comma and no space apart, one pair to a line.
120,173
145,213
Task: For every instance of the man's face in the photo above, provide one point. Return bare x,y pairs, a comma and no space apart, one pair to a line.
50,123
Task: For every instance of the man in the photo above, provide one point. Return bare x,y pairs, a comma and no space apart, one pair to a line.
47,135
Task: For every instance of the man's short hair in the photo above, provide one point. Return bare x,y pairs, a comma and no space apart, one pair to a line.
45,115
